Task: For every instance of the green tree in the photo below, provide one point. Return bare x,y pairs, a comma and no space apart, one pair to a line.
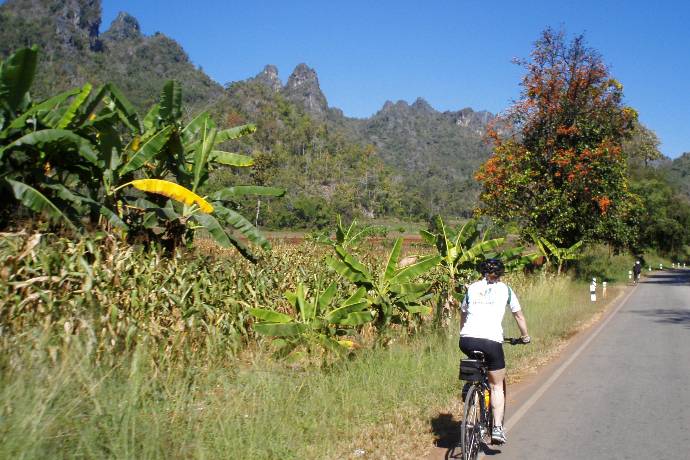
557,166
642,147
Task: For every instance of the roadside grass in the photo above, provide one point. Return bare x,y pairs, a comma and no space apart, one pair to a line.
597,261
380,404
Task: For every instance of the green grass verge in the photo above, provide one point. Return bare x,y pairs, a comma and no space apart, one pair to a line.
382,401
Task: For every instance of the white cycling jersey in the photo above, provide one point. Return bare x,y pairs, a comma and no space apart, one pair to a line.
484,306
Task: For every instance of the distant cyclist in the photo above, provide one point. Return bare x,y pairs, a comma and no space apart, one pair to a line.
480,329
637,269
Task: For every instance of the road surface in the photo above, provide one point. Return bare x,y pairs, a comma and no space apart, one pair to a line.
626,393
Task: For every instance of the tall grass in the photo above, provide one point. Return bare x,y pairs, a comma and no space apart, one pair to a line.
384,401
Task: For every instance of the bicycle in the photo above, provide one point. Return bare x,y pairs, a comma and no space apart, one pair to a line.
478,416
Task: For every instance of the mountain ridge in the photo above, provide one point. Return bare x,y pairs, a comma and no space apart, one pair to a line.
431,153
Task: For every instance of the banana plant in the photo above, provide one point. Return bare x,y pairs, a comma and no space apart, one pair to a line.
460,250
514,258
315,321
560,255
347,236
392,293
48,150
71,156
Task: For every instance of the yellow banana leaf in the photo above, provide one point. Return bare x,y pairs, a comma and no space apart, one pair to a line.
173,191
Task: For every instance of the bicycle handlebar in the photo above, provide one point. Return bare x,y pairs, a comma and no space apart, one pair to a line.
517,340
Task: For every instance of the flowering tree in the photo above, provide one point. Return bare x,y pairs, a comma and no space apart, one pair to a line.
557,165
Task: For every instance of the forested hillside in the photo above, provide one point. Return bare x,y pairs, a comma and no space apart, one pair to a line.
407,161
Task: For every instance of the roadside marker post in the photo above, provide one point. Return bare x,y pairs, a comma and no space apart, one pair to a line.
593,291
661,266
603,289
629,274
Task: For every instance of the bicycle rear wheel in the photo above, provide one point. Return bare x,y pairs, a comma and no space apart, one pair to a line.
470,431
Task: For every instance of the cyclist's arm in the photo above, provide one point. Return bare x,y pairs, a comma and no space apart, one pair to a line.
521,322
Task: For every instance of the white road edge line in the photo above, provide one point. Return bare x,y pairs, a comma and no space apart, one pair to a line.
512,421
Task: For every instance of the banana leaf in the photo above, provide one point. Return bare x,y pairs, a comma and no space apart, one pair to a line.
171,101
230,159
410,288
392,264
347,272
479,249
147,151
151,117
71,111
166,212
280,329
353,263
125,108
230,193
45,106
193,128
16,76
203,150
270,316
414,309
234,133
357,319
37,202
340,313
553,249
307,309
57,140
326,296
467,234
428,237
214,228
418,268
67,195
242,225
332,345
173,191
221,236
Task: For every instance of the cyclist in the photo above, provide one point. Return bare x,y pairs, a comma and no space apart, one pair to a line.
637,268
482,312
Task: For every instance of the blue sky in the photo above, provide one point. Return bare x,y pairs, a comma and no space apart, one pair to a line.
454,54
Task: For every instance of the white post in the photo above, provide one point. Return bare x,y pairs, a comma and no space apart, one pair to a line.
661,266
593,292
603,289
629,274
650,268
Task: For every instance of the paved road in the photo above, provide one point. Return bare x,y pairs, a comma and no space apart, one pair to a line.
627,395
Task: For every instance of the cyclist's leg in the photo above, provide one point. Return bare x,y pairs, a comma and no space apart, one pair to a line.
496,379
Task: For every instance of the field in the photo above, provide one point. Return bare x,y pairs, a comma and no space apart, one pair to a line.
134,355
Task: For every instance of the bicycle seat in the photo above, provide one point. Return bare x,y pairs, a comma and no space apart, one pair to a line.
476,354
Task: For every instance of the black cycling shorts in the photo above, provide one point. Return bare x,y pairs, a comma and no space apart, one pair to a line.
493,351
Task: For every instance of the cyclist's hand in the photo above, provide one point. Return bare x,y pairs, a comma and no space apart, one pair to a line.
526,339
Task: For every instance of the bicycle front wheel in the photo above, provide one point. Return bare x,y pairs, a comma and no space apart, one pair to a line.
470,431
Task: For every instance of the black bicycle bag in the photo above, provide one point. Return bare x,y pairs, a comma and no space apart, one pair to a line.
472,370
